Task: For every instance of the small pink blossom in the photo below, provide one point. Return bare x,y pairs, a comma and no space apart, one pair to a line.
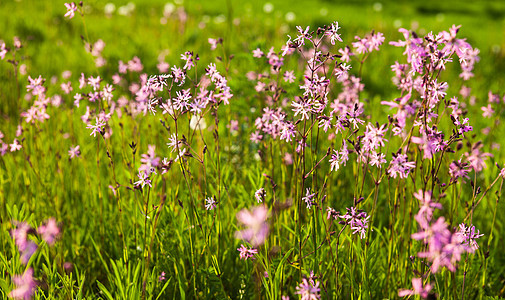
467,235
122,68
25,246
246,253
345,54
289,76
27,253
74,152
134,65
332,32
260,195
94,82
71,9
25,286
97,128
309,198
36,86
3,50
149,160
233,126
20,235
476,158
4,148
418,289
459,169
487,111
49,231
357,219
256,227
210,203
214,42
143,180
15,146
163,67
288,159
426,207
257,53
308,291
400,166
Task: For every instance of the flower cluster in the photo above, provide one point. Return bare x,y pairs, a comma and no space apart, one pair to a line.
308,291
444,248
427,127
357,219
467,236
48,232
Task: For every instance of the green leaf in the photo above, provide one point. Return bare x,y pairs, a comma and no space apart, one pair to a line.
104,290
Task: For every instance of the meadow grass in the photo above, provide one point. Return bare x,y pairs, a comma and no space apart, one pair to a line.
121,239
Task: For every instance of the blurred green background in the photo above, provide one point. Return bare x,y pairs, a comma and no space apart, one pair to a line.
140,28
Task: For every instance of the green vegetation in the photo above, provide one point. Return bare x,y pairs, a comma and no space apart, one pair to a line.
116,238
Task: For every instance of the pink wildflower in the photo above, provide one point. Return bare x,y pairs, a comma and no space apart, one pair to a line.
143,180
332,32
74,152
476,158
66,87
308,291
331,213
246,253
71,9
149,161
400,166
468,235
334,161
444,248
25,286
35,86
49,231
345,54
487,111
260,195
3,50
134,65
374,137
162,276
15,146
289,76
426,208
357,219
458,169
418,289
214,42
25,246
210,203
309,198
97,128
257,53
256,230
233,126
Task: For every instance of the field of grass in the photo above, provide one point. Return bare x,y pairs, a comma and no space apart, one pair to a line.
169,181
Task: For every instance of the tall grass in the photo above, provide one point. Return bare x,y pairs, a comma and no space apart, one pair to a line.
223,175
